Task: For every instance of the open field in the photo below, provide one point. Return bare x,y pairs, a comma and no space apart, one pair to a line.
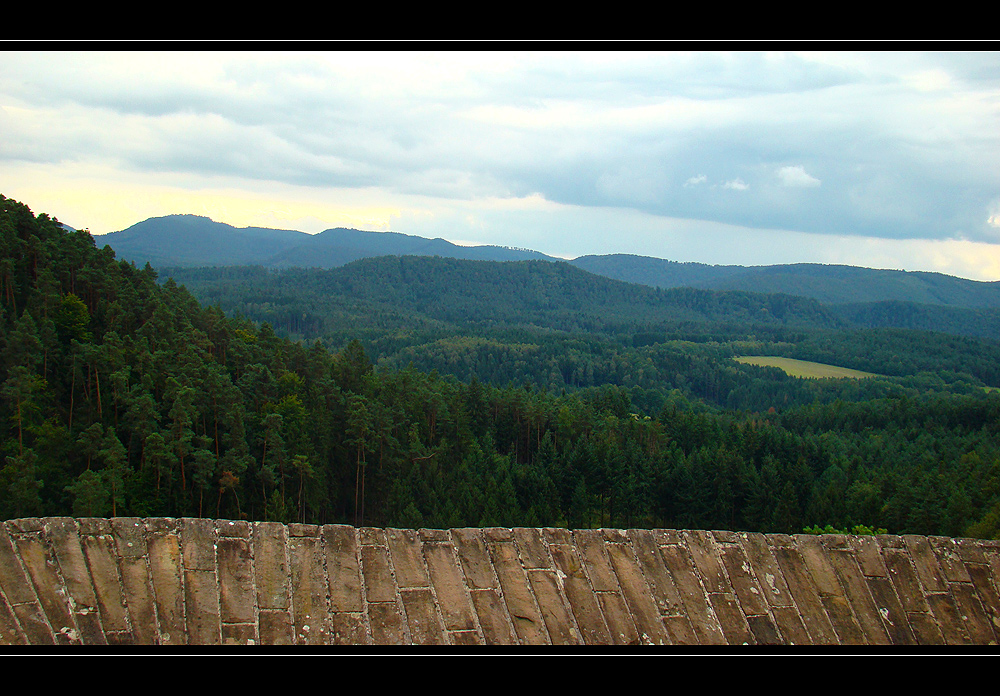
803,368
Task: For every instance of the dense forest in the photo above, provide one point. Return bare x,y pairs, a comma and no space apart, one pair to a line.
445,393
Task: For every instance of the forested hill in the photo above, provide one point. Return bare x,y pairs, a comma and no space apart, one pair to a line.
192,240
513,321
829,284
526,293
120,396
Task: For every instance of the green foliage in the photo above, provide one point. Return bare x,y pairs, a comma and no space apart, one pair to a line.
72,319
444,394
858,529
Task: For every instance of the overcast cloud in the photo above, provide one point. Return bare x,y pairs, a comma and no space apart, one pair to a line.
881,159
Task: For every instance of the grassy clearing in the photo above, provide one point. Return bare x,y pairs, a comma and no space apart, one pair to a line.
804,368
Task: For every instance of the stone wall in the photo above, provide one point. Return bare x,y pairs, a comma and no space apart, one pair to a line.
195,581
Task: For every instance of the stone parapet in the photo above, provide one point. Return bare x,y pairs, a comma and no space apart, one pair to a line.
159,581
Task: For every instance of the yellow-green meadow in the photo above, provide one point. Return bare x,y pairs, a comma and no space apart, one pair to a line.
803,368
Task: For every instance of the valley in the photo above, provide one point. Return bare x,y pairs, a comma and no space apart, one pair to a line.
411,390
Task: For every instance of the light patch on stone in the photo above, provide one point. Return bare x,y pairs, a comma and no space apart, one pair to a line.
770,582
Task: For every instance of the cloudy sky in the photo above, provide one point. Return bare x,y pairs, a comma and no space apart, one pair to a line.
882,159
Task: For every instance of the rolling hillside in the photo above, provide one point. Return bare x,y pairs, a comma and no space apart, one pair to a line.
829,284
857,296
192,240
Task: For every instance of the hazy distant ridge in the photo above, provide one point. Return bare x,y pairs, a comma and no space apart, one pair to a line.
191,240
830,284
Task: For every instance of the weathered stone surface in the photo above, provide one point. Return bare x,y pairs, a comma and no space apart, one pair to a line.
407,559
494,620
130,537
422,617
904,579
557,617
100,553
379,585
236,585
13,581
696,604
805,594
620,623
889,609
201,607
532,548
275,626
988,595
464,638
36,555
859,596
705,555
349,628
766,570
949,559
731,619
664,591
139,598
792,628
240,634
388,624
637,595
311,613
832,594
475,559
270,565
928,571
580,596
521,606
10,632
974,619
590,546
129,581
743,582
234,529
343,570
32,621
198,543
164,546
449,587
65,542
925,628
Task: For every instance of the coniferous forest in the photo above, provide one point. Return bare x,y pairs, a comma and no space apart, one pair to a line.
425,392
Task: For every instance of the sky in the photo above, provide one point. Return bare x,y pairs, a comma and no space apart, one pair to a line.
880,159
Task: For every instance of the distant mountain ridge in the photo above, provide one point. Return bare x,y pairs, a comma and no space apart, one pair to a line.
193,241
829,284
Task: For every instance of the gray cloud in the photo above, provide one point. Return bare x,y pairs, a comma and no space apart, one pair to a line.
886,145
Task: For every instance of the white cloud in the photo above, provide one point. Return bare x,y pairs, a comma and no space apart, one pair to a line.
905,142
994,219
797,177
